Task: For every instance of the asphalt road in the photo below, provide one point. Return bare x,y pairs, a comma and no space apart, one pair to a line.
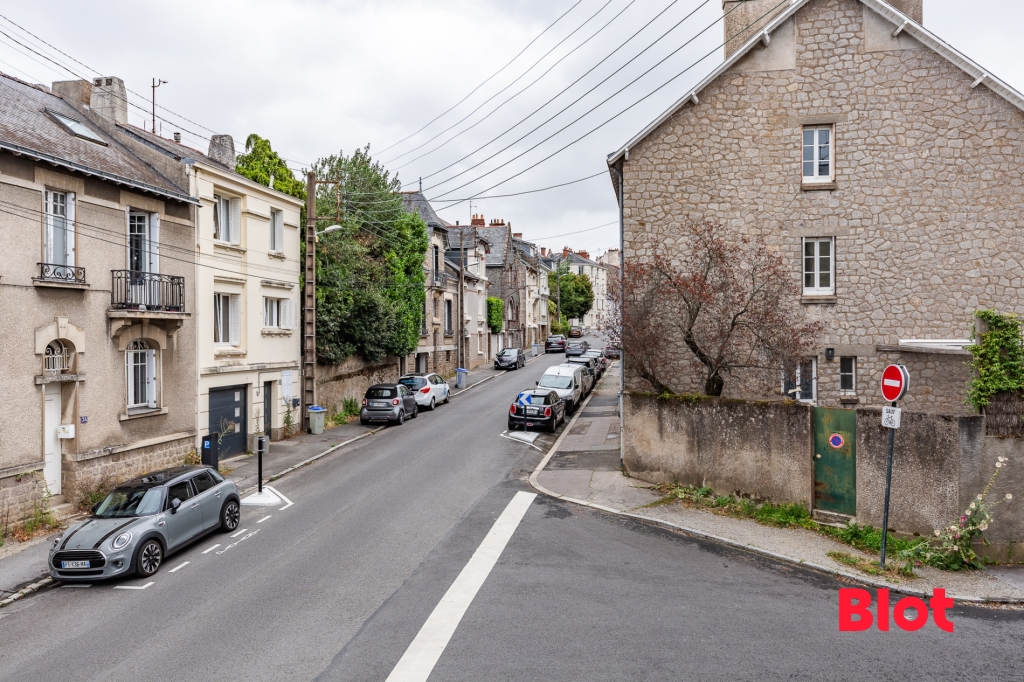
337,586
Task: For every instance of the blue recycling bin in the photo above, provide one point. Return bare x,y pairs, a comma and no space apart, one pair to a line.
316,419
460,377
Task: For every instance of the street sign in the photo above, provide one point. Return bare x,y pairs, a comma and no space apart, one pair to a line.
891,417
895,381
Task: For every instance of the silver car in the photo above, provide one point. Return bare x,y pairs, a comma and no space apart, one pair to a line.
140,522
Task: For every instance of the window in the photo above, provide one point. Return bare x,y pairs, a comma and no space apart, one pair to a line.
203,482
60,228
276,231
227,319
227,217
804,385
56,358
848,375
435,308
819,267
448,316
423,323
437,263
76,127
180,491
817,158
279,312
141,373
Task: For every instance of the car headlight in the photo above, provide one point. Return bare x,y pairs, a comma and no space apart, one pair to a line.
56,541
121,540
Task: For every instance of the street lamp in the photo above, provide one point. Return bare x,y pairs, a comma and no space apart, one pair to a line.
332,228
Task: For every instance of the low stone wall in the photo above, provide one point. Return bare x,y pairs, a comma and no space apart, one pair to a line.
350,379
1007,530
116,467
756,449
19,495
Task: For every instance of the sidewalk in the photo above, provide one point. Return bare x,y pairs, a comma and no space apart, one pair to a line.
584,469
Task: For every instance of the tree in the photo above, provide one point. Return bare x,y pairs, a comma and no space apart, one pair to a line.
495,314
575,292
726,303
370,280
260,162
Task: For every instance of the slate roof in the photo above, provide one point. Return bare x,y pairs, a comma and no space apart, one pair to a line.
26,129
415,202
498,238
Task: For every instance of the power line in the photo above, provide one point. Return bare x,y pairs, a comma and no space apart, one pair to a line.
519,54
516,194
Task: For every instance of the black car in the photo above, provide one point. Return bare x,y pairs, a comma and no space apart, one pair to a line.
388,403
554,344
536,407
509,358
576,348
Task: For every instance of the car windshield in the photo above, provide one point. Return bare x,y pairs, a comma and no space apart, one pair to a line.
414,382
593,353
380,393
555,381
129,502
554,338
575,344
508,352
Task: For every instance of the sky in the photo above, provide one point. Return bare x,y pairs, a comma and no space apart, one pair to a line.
477,98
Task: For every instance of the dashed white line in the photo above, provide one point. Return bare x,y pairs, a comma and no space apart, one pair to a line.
179,567
239,532
422,655
207,551
264,518
278,493
78,585
132,587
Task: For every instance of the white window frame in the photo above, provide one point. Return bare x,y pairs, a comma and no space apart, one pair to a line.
227,319
812,153
59,207
810,265
276,231
279,313
141,376
449,317
227,219
813,362
852,374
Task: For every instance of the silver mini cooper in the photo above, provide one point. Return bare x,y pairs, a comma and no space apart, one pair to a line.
144,520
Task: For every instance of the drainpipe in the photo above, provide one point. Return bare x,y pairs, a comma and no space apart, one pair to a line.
622,346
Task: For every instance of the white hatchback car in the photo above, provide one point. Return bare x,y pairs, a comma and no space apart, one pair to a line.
429,389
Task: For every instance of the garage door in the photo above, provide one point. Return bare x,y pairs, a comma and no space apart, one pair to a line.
228,418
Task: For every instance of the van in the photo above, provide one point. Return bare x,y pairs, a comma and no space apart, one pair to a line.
567,381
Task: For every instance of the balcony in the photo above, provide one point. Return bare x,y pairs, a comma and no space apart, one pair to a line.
147,291
62,276
437,280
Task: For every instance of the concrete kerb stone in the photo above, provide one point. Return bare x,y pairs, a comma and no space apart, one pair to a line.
25,591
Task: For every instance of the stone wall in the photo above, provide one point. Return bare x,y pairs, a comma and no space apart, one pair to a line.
1007,530
125,463
350,379
927,208
19,495
756,449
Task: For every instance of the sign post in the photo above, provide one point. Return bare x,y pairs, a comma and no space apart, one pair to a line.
895,381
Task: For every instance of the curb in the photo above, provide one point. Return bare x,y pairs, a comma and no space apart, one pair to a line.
25,591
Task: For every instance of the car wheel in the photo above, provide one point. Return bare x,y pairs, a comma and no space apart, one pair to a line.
229,516
415,412
554,425
447,397
433,405
151,554
364,422
401,417
511,426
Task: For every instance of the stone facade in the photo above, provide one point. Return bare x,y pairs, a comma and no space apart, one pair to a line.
924,210
121,464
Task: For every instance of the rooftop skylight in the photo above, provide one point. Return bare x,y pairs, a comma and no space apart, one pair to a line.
76,127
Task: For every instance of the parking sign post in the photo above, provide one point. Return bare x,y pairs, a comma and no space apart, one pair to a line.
895,381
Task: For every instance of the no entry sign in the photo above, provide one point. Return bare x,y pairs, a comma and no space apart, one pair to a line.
895,381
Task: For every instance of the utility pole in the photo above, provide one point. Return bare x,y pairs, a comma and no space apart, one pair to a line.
156,84
462,298
309,305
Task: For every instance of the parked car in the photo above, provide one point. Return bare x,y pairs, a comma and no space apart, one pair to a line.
602,361
612,352
576,348
567,381
143,521
509,358
390,403
589,373
575,332
536,407
429,389
554,344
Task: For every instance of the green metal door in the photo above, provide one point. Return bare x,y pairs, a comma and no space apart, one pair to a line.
835,460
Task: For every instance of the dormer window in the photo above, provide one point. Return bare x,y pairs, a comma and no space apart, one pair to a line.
76,127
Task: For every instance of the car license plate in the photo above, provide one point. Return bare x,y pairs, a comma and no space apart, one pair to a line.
75,564
378,404
532,410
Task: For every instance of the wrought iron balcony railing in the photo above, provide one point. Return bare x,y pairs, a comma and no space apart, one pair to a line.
52,272
136,290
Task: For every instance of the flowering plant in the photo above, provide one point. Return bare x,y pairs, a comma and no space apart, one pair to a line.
951,549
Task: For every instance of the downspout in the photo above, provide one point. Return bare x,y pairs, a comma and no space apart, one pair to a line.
622,346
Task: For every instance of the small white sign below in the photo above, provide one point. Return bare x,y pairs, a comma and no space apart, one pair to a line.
66,431
891,417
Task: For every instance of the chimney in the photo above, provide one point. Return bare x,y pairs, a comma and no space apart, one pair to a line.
566,251
177,137
222,150
477,220
109,99
912,8
517,235
584,254
543,252
78,92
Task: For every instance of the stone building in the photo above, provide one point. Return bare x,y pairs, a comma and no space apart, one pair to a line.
883,165
97,292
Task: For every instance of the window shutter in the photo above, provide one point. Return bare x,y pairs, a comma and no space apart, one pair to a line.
218,219
129,384
293,314
151,378
236,221
279,231
48,246
70,236
235,320
154,242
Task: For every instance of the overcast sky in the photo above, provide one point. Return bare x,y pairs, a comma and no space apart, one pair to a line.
320,76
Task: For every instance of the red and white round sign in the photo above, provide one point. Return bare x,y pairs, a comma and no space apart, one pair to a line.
895,382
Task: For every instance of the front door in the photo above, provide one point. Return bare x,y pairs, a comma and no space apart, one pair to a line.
268,407
835,460
228,418
51,443
187,522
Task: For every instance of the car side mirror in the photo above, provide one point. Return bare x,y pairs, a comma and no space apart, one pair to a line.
175,503
536,383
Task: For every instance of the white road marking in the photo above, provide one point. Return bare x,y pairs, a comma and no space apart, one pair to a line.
179,567
78,585
422,655
239,532
132,587
278,493
233,544
264,518
207,551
